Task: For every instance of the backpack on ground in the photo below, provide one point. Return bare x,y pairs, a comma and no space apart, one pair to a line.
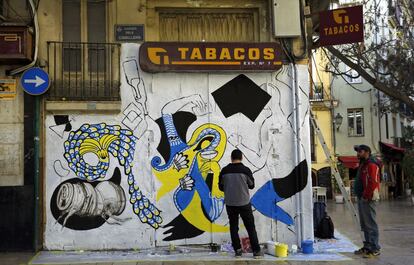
325,229
319,212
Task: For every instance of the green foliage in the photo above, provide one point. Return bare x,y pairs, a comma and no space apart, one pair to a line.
408,135
341,170
408,166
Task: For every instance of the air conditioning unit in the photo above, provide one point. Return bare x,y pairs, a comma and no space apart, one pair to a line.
16,45
286,18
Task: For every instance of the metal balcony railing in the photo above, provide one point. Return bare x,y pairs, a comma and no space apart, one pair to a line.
317,93
83,71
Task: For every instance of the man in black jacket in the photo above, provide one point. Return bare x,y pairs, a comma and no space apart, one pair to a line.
235,180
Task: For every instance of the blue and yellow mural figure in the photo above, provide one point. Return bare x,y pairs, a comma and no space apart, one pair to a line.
104,140
191,171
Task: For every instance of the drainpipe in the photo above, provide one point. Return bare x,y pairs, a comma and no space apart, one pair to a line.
332,111
37,172
297,142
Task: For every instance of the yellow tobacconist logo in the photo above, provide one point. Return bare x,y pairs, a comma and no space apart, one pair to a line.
215,56
343,24
211,55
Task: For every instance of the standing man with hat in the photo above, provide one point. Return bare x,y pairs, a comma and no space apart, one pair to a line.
366,188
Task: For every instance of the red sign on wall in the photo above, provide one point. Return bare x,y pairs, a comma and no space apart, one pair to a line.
341,26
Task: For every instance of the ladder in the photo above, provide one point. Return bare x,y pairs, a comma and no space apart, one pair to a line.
336,174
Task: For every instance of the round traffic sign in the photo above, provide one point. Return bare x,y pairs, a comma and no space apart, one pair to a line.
35,81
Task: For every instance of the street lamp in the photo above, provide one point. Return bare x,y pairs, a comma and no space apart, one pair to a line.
338,120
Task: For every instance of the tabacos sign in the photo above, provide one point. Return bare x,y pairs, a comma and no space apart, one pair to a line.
341,26
210,56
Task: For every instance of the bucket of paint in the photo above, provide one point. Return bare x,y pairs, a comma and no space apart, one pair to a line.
307,247
214,247
294,249
271,248
281,250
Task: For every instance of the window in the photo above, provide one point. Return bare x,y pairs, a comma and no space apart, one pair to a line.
15,11
2,10
355,122
208,25
84,65
71,34
84,21
355,79
96,20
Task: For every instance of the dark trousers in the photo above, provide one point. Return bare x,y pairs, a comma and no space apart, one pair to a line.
246,214
369,225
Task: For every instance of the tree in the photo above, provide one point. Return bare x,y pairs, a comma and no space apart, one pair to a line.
385,59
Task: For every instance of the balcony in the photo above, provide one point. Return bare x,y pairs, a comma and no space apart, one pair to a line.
81,71
317,93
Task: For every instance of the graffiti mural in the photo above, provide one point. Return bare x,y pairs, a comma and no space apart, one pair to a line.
62,125
104,140
81,205
159,158
278,189
191,171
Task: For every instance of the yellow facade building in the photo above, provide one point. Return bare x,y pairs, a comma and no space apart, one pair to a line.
322,104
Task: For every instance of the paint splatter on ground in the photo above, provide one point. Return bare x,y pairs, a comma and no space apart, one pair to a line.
326,250
71,257
341,244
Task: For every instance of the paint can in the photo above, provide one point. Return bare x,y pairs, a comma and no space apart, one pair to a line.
294,249
171,247
307,247
271,248
214,247
281,250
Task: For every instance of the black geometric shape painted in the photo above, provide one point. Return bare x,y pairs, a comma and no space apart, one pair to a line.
182,120
242,95
63,119
180,228
293,183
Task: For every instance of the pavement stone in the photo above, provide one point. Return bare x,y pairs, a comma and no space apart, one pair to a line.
396,224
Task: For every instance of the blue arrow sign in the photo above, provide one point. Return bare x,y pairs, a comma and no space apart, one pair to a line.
35,81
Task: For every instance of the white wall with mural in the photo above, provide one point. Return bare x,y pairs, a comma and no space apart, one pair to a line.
148,176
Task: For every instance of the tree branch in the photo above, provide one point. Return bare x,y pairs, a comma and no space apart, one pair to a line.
386,89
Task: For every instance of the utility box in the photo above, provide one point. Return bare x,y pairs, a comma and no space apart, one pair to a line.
16,45
286,18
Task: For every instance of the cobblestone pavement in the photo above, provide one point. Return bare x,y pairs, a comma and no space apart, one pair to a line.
396,220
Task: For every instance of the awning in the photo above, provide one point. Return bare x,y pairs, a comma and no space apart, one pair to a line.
391,152
349,161
392,147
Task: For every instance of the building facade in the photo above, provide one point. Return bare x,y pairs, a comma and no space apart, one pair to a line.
131,158
369,116
322,105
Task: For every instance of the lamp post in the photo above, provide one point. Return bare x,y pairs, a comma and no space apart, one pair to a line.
338,121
